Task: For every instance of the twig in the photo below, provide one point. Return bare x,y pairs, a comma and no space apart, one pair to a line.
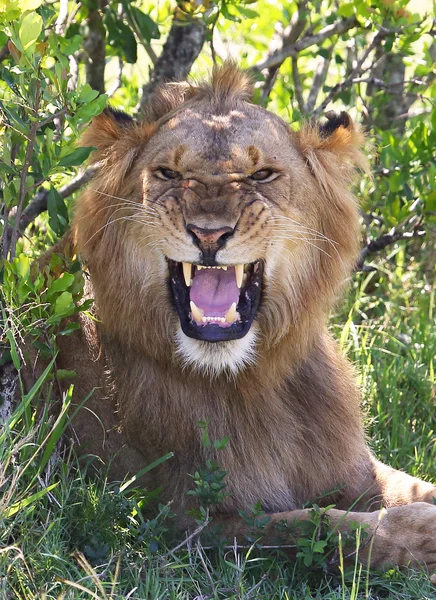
319,80
290,36
298,88
119,81
151,53
316,39
395,235
261,546
414,113
10,244
357,70
206,570
61,21
256,586
56,115
211,33
192,536
74,72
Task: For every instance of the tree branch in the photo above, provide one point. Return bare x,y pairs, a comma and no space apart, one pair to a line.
317,38
290,36
356,71
395,235
38,204
119,79
95,50
319,80
298,88
181,48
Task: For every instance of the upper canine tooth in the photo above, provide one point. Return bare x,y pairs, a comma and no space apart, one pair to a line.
239,271
187,268
231,313
197,313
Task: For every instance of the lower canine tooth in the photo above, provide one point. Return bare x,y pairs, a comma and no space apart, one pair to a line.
187,268
197,313
231,313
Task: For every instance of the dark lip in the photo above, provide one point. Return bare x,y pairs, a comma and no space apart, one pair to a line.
248,305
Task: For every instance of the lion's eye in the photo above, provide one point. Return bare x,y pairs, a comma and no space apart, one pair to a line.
164,173
261,175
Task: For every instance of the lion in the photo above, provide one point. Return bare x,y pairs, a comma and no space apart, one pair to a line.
216,240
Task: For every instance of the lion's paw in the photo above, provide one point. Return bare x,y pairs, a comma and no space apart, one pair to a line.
404,536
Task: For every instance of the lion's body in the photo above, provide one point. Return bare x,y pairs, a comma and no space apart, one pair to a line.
281,393
280,435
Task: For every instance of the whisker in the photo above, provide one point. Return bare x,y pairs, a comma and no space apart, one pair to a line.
307,242
284,218
117,197
111,222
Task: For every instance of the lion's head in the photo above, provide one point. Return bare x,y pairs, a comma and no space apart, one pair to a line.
213,233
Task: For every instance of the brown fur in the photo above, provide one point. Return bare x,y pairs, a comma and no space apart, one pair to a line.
293,414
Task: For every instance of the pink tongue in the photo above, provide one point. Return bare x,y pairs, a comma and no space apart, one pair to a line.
214,290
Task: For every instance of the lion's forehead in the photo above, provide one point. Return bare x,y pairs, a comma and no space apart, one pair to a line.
236,134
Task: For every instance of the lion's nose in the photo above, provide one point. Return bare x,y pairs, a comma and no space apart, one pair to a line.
210,237
209,240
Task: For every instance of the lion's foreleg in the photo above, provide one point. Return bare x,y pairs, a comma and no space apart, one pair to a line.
402,536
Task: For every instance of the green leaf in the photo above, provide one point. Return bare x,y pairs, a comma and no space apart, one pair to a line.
56,432
30,4
145,27
57,211
30,28
13,349
247,12
63,303
87,94
121,38
76,158
145,470
61,284
65,374
14,508
389,42
87,111
228,15
22,266
319,546
346,10
69,329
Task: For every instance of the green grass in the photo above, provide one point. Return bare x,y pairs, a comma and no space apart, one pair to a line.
84,538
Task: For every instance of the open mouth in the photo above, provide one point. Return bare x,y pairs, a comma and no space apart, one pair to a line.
216,304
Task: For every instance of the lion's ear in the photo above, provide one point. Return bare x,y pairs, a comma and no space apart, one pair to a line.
118,139
333,149
105,130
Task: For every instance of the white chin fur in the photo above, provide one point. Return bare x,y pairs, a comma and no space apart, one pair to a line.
215,358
